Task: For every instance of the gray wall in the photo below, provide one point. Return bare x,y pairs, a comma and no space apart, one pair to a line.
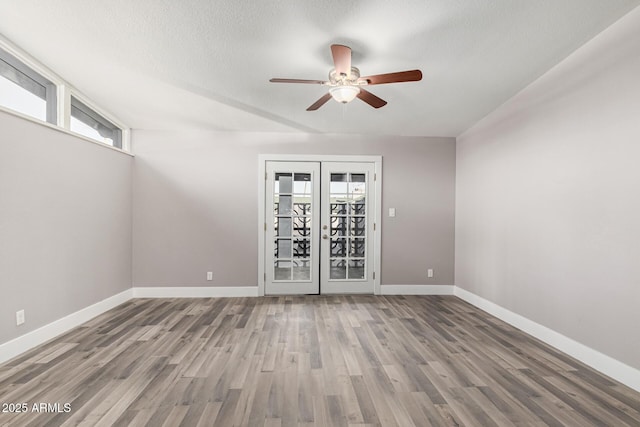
548,198
65,224
196,204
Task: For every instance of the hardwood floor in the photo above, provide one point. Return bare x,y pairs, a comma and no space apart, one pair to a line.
312,360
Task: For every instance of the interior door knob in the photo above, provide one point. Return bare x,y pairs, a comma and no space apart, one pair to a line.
324,227
324,236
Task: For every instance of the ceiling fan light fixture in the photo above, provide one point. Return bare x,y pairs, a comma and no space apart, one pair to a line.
344,93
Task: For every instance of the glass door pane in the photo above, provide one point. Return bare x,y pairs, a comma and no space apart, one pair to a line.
347,193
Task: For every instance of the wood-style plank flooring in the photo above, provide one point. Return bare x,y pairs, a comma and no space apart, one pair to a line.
304,361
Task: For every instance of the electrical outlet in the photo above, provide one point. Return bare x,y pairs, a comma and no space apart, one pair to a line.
430,272
209,275
20,317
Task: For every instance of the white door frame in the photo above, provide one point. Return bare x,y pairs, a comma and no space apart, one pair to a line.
377,212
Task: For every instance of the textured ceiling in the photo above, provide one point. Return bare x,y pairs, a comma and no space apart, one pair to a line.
166,64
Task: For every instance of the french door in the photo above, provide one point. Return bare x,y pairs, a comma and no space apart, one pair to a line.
291,226
319,227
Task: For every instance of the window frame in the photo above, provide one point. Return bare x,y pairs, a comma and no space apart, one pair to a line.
58,102
92,114
29,74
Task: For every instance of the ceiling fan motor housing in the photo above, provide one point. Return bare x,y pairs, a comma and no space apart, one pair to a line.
336,79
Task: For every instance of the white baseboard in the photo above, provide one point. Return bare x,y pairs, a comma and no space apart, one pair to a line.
195,292
19,345
598,361
416,290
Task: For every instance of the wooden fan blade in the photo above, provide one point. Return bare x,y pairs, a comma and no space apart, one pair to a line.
341,59
401,76
320,102
371,99
313,82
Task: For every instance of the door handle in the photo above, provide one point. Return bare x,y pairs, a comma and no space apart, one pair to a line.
324,236
324,227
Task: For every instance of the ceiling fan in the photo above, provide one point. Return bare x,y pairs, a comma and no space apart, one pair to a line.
345,83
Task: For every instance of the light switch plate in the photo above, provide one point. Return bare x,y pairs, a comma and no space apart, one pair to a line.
209,275
392,212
